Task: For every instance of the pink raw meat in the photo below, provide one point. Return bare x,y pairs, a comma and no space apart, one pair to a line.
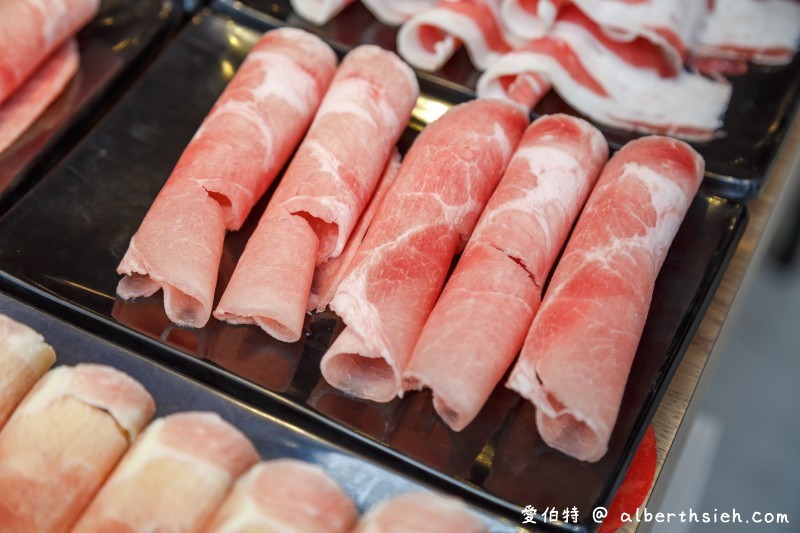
579,350
173,478
430,38
24,358
31,30
260,118
330,273
480,321
421,513
286,496
427,215
36,94
629,85
62,442
323,193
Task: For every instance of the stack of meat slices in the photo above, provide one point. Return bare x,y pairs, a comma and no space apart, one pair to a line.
39,57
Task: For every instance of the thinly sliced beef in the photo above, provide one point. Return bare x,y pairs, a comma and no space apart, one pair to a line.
31,30
174,477
430,38
579,350
36,93
625,85
481,319
285,495
24,358
69,431
325,189
260,118
425,218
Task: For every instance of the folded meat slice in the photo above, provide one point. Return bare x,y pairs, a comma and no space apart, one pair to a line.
396,12
260,117
430,38
579,350
31,30
626,85
62,442
36,93
765,32
24,358
322,194
174,477
422,513
319,12
285,495
330,273
670,25
428,213
481,319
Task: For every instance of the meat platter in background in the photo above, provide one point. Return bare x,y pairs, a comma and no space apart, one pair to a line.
761,105
111,45
364,481
498,462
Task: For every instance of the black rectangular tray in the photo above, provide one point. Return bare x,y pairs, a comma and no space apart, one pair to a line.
113,46
367,482
760,110
60,246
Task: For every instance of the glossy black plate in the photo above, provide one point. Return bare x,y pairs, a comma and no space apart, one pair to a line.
761,106
365,481
59,248
112,46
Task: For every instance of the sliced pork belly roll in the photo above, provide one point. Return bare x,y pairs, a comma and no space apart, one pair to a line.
481,319
24,358
579,350
36,94
625,85
428,213
173,479
324,191
396,12
760,31
260,117
286,496
422,513
430,38
62,442
31,30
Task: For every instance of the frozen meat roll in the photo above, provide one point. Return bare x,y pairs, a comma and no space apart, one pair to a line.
420,512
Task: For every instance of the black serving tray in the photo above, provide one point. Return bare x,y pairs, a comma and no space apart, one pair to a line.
762,103
112,47
60,246
367,482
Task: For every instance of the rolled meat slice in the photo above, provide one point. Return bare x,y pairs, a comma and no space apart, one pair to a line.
36,93
396,12
579,350
330,273
625,85
322,194
480,321
173,479
670,25
428,213
285,495
760,31
422,513
62,442
260,117
31,30
319,12
24,358
430,38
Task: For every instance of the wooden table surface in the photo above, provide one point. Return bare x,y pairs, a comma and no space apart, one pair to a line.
705,351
